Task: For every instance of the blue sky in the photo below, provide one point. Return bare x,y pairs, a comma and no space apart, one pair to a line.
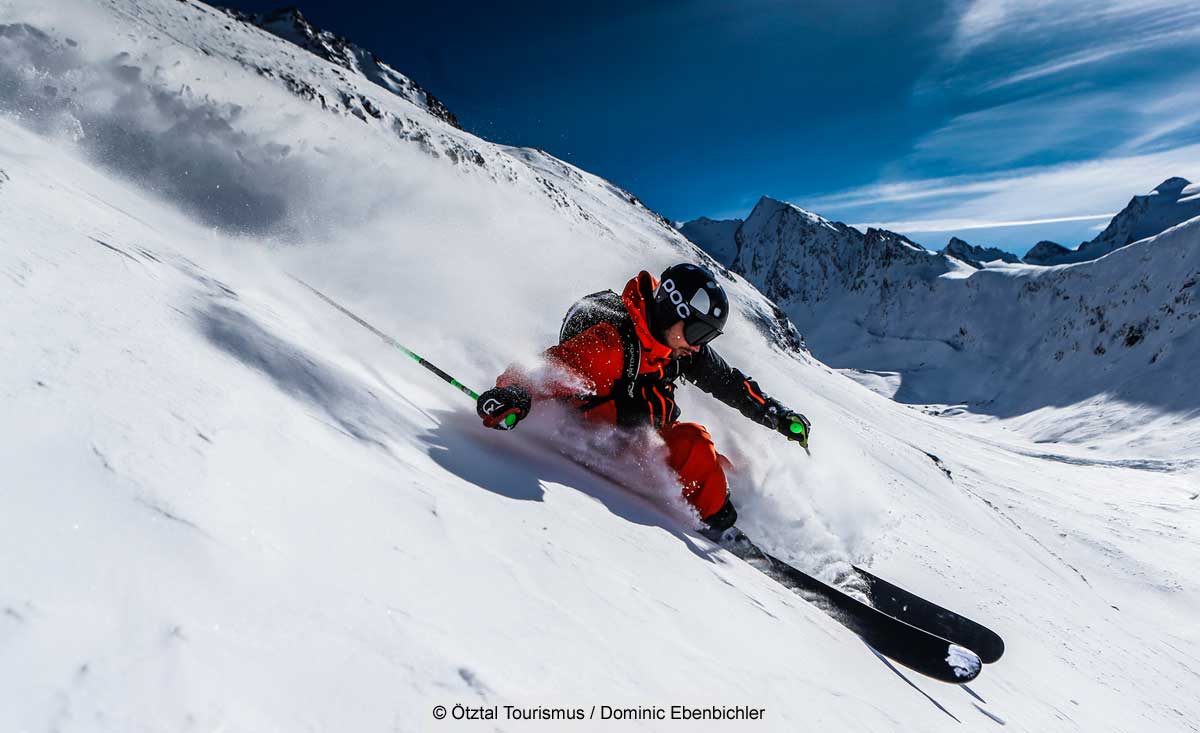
1000,121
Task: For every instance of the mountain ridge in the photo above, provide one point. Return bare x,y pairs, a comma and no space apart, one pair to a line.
957,331
975,255
1144,216
1171,202
289,24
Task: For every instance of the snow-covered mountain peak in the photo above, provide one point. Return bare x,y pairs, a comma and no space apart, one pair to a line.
1168,204
897,239
1007,340
798,256
1045,252
725,239
767,208
1172,187
951,330
290,24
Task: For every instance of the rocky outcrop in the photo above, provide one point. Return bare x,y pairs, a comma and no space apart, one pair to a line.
796,256
976,256
291,25
1046,252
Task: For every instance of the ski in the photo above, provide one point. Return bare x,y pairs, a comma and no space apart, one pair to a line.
911,608
916,648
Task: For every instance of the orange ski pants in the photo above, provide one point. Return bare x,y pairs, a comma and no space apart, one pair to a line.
691,453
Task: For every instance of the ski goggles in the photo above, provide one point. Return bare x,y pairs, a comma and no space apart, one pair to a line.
698,333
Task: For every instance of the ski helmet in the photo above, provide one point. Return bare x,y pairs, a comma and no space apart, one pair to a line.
691,294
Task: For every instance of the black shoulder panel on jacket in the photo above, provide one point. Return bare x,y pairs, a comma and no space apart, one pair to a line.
605,307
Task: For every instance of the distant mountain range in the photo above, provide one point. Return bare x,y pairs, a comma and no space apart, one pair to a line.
974,325
1172,202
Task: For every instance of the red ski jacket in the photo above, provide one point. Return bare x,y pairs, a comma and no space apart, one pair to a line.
588,370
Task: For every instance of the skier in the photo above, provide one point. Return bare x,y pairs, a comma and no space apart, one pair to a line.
617,361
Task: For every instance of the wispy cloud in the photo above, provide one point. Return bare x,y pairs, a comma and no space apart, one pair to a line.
953,225
1152,40
908,191
1018,132
1019,197
983,23
1041,118
1080,138
1053,127
1167,117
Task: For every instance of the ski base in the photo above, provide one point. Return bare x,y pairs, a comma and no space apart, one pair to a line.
913,647
911,608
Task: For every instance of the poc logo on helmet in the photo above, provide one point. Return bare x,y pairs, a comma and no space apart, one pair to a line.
676,298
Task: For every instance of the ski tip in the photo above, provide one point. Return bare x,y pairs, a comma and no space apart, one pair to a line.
994,650
965,663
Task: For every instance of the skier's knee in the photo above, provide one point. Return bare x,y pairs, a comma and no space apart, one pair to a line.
723,518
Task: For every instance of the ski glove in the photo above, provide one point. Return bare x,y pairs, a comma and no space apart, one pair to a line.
794,426
503,407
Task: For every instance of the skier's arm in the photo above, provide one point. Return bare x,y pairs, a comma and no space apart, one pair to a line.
708,371
580,367
577,369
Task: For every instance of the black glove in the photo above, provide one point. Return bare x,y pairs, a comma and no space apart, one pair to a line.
503,407
794,426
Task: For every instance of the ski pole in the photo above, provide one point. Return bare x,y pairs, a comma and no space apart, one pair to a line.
393,342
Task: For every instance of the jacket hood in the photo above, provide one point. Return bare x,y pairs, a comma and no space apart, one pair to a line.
637,295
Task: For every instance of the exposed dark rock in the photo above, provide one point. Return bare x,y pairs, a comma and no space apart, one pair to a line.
974,255
291,25
1046,253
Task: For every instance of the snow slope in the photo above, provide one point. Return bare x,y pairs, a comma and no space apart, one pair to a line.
228,507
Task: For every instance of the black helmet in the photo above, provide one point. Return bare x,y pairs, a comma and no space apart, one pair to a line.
690,293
